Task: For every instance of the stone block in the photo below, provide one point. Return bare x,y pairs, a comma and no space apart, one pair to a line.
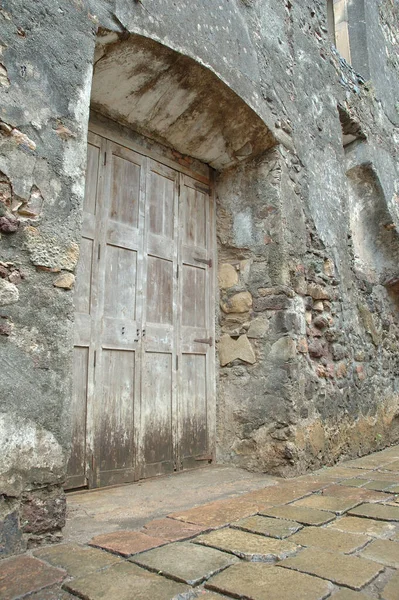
353,493
76,560
184,561
248,545
65,281
317,292
350,571
258,328
126,543
385,552
329,503
227,276
329,539
239,303
306,516
380,486
9,293
343,594
124,582
52,593
43,512
11,538
231,349
382,512
24,574
284,350
275,528
261,582
279,302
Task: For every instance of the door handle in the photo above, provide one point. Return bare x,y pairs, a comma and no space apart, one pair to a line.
208,341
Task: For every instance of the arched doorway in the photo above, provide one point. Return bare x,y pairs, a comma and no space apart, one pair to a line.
144,394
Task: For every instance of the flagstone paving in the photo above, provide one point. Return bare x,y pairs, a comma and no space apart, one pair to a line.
331,534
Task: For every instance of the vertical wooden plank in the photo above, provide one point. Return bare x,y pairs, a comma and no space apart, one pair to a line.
76,464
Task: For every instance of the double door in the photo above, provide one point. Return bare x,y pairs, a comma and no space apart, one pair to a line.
143,397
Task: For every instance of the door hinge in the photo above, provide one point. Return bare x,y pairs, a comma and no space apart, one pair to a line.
105,159
98,251
95,358
177,272
177,362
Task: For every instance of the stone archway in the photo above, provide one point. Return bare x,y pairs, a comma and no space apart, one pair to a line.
167,119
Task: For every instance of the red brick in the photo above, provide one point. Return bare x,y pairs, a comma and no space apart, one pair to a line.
126,542
24,574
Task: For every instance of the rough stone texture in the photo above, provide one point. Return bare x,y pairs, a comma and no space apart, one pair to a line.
349,595
307,516
390,591
255,581
376,511
185,561
24,574
76,560
64,281
309,225
383,551
276,528
329,539
248,545
365,526
351,571
126,542
124,581
227,276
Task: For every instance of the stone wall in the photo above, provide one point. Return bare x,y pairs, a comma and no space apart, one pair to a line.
308,327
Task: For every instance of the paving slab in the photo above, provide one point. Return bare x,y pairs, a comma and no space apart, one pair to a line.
286,491
329,503
379,486
76,560
382,512
51,593
392,466
258,581
184,561
350,571
345,472
301,514
372,461
354,493
248,545
391,590
125,582
343,594
23,574
355,482
329,539
126,543
369,527
222,512
171,529
394,490
385,552
275,528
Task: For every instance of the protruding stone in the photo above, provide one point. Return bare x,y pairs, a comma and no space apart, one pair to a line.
318,306
9,293
230,349
329,268
228,276
284,350
65,281
239,303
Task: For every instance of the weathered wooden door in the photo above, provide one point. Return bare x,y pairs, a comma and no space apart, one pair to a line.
143,400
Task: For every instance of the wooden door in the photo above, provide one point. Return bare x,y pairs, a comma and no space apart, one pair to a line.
143,383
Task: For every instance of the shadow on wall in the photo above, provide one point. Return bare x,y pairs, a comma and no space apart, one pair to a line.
374,236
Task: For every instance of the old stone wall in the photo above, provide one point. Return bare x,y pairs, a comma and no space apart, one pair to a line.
308,316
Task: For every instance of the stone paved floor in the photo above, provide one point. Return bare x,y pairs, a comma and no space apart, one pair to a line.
331,534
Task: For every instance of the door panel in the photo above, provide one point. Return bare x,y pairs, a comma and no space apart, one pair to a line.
143,356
